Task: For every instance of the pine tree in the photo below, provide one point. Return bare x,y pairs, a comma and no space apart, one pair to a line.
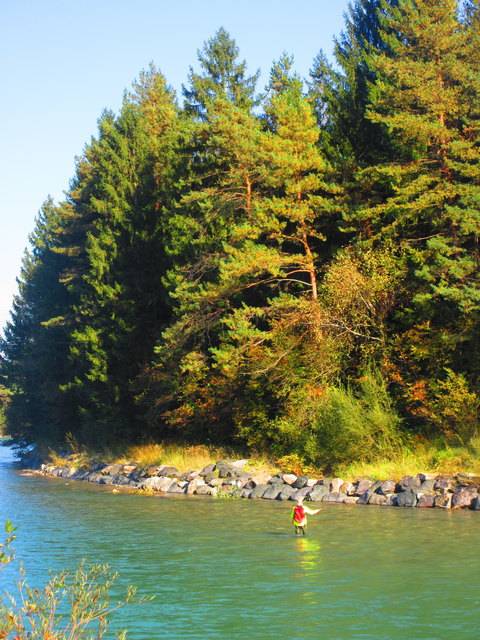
223,76
129,175
35,346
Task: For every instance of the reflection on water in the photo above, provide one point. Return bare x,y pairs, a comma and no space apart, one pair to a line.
234,569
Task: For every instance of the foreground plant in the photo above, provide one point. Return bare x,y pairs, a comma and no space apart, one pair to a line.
73,604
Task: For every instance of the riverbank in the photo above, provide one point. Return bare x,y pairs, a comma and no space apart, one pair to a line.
235,479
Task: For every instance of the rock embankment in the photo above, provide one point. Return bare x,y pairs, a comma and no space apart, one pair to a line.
236,479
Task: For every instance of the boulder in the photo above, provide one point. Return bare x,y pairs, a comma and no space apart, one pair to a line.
276,479
259,490
261,477
326,482
167,471
300,494
317,493
245,493
444,500
376,498
408,482
407,498
350,500
178,487
334,497
157,483
336,484
300,482
425,500
194,484
390,500
226,471
119,479
289,478
113,469
348,488
205,490
428,485
463,497
362,486
476,504
95,477
387,487
129,468
206,470
273,491
286,493
444,482
364,498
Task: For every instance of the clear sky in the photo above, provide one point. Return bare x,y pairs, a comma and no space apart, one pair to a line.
62,62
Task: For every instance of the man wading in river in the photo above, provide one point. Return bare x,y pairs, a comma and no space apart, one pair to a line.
299,516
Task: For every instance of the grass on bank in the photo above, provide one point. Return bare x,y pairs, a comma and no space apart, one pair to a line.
421,457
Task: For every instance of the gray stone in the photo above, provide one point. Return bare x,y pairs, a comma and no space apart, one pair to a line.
259,490
364,498
205,490
95,477
463,497
276,479
444,482
194,484
177,487
390,500
225,469
119,479
167,471
476,504
334,497
408,482
317,493
407,498
362,486
376,498
387,487
426,500
245,493
273,491
348,488
335,485
351,500
300,482
428,485
326,482
444,501
206,470
286,493
300,493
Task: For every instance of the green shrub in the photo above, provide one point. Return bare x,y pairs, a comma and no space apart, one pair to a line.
354,424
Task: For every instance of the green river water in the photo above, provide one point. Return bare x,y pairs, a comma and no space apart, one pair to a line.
232,569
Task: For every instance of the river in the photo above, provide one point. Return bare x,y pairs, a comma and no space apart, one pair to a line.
233,568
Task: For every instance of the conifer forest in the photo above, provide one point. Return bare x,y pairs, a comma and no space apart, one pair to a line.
290,268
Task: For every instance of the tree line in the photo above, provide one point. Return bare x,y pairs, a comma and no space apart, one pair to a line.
293,270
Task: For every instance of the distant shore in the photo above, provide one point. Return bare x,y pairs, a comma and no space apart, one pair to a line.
234,479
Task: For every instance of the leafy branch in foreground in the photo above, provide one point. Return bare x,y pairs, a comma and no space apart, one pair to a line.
73,604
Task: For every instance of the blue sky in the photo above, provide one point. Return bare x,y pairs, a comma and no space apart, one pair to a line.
63,61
